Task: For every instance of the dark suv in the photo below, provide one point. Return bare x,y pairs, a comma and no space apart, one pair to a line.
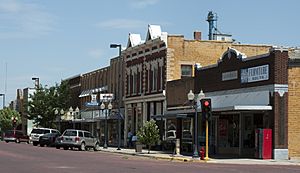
15,136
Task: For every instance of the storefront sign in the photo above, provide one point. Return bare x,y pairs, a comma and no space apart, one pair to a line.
255,74
231,75
106,97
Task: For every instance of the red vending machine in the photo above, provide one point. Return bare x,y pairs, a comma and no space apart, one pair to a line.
263,143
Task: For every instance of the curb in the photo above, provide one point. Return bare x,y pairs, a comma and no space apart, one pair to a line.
186,159
174,158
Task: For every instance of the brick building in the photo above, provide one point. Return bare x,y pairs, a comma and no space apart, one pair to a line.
160,58
105,80
293,103
247,93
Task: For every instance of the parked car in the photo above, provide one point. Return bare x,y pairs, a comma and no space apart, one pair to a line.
15,136
48,139
77,139
36,133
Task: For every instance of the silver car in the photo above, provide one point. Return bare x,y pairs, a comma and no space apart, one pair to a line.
80,139
36,133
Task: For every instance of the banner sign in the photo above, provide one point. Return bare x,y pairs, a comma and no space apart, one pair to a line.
255,74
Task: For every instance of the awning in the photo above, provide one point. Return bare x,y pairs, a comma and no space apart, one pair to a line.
244,108
88,92
248,101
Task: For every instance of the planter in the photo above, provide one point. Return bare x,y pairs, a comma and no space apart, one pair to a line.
138,147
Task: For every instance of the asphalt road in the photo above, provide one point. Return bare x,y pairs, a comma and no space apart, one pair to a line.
25,158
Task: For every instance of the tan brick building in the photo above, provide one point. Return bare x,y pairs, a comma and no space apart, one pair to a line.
161,58
293,104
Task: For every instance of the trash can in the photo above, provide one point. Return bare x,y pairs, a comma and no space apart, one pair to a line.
138,147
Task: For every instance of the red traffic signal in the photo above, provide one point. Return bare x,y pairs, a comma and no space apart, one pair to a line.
206,108
206,103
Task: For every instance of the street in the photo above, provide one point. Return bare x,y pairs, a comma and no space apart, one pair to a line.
29,159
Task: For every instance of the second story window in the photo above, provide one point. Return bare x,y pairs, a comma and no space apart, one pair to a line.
186,70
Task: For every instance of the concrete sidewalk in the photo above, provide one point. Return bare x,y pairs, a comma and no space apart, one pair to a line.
169,156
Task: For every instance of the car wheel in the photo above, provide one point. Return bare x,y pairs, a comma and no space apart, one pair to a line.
28,142
6,141
57,147
97,147
17,140
82,146
65,148
34,143
41,145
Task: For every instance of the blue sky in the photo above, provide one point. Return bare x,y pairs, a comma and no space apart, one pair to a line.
57,39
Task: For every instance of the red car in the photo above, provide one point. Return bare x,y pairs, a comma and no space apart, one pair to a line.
15,136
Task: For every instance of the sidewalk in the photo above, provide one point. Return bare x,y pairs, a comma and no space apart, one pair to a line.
169,156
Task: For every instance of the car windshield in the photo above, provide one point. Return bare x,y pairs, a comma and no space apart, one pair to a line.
70,133
48,134
40,131
10,132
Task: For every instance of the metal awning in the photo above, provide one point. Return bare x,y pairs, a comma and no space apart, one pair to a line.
88,92
244,108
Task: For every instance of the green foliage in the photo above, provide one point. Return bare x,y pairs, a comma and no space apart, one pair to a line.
148,134
45,101
6,115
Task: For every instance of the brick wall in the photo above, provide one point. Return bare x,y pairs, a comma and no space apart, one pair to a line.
294,112
181,51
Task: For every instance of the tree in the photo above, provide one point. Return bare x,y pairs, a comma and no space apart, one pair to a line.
45,101
6,116
148,134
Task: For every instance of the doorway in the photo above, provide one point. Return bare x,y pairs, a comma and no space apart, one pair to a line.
228,134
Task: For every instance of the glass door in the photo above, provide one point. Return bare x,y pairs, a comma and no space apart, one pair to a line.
228,134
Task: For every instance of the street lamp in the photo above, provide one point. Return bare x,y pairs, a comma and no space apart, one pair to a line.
59,116
192,98
76,112
102,107
37,81
119,95
72,114
3,95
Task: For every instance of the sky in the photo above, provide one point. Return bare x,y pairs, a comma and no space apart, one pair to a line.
58,39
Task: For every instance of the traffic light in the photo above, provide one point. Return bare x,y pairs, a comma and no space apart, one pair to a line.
14,122
206,108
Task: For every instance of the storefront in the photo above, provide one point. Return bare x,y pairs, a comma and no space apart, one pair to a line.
246,94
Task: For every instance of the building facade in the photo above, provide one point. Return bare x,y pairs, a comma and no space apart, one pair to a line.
247,93
94,86
160,58
293,103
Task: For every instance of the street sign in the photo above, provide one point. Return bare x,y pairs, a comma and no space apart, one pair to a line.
91,103
106,97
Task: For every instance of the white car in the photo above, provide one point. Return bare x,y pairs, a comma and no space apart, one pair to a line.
37,132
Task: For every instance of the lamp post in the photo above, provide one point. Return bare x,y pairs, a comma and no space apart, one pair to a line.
102,107
119,95
77,113
3,95
72,114
59,114
37,81
195,99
